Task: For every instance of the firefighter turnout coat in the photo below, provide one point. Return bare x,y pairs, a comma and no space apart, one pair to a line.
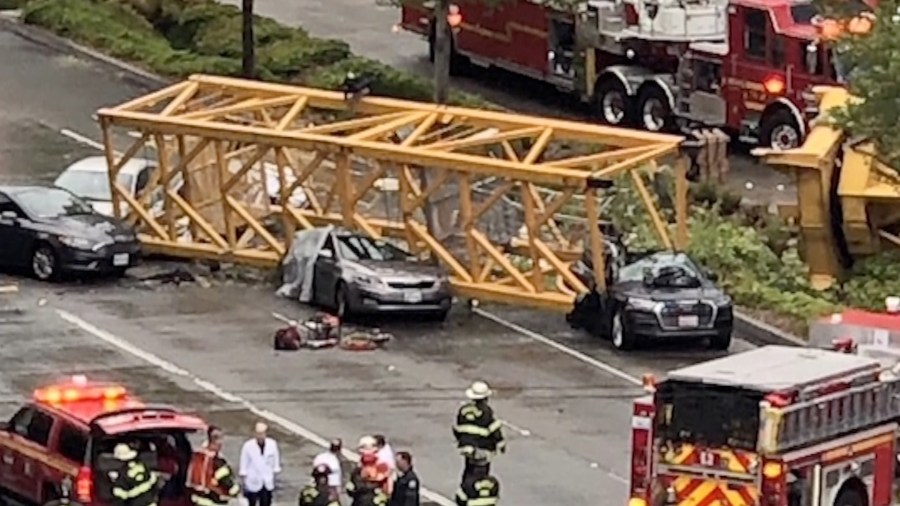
364,493
134,484
316,495
210,479
483,491
477,429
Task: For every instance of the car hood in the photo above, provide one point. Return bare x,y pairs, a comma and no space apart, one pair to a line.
102,207
639,290
89,226
399,269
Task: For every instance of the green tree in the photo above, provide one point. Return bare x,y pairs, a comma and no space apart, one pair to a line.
872,64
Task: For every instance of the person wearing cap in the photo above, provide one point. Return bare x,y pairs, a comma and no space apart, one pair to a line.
133,483
406,488
365,487
260,464
210,478
318,493
479,488
332,459
476,429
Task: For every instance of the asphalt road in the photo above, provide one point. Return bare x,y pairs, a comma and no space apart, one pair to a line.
566,397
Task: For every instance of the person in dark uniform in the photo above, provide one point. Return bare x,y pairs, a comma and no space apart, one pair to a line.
479,488
133,483
479,435
406,488
318,493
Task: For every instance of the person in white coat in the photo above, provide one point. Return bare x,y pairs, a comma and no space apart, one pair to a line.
260,464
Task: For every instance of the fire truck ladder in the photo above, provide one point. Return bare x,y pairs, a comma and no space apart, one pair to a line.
243,164
823,418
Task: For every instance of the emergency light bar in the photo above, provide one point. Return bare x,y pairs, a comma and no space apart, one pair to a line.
78,389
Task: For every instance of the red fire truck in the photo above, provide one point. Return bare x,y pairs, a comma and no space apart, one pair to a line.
779,426
742,65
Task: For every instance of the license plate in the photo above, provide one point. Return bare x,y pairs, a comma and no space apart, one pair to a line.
120,260
412,297
689,321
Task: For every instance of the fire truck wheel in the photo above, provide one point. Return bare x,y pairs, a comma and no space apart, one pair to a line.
850,497
654,110
621,339
779,130
613,104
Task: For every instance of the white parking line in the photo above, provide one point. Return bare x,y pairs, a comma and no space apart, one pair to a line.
171,368
577,355
81,139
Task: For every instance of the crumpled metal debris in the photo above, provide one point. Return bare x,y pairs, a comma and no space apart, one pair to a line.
325,331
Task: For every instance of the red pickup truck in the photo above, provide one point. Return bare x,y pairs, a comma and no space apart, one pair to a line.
60,444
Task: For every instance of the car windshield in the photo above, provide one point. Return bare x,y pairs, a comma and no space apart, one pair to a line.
91,185
51,203
676,268
355,247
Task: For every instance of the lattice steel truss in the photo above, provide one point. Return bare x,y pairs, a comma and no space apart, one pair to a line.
243,164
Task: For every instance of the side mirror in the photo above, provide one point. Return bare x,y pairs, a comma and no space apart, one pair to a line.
326,253
10,216
812,58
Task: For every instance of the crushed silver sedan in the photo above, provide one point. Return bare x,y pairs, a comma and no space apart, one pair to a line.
355,274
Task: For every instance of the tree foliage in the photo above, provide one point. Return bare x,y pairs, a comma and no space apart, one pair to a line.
875,76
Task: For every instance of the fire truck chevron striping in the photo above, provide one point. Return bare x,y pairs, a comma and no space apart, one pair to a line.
776,426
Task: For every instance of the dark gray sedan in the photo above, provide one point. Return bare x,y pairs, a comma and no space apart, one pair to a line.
355,274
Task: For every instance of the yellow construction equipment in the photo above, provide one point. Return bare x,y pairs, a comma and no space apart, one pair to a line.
848,200
243,164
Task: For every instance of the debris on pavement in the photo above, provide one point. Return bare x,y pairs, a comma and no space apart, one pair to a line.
9,288
325,331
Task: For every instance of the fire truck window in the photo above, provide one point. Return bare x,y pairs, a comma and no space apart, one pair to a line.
72,443
756,27
39,428
778,52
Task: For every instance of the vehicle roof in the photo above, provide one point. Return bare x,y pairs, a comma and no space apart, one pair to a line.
122,416
773,368
98,164
86,411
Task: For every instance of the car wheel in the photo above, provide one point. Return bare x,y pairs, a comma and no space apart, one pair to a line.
780,131
341,306
44,263
439,316
721,342
621,339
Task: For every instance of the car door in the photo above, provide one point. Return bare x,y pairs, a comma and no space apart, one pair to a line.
325,273
13,238
17,461
35,448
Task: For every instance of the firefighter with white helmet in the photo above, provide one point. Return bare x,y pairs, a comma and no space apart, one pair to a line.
133,483
479,435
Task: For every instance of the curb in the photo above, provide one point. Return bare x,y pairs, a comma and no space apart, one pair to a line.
754,330
10,21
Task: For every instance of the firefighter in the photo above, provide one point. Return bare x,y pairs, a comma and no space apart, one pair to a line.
133,483
480,488
210,479
476,429
365,487
318,493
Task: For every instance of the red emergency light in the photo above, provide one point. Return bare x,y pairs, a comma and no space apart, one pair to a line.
454,16
774,85
77,390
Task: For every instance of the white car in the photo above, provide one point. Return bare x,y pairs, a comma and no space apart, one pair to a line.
88,178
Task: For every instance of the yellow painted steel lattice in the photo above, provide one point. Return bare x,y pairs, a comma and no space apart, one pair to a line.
243,164
866,213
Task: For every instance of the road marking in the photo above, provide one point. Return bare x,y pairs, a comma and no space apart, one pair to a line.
275,418
81,139
577,355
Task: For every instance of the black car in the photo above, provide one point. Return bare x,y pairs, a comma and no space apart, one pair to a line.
49,231
661,295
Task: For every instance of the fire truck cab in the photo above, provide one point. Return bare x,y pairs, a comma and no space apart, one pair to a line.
775,426
59,445
742,65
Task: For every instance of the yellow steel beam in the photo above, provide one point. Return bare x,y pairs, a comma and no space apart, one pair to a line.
231,133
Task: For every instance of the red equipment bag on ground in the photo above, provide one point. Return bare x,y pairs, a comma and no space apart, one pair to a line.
288,339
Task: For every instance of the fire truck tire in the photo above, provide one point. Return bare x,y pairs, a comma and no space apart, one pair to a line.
612,104
779,130
850,497
621,338
653,109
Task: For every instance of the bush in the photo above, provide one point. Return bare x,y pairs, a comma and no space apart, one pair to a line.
11,4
